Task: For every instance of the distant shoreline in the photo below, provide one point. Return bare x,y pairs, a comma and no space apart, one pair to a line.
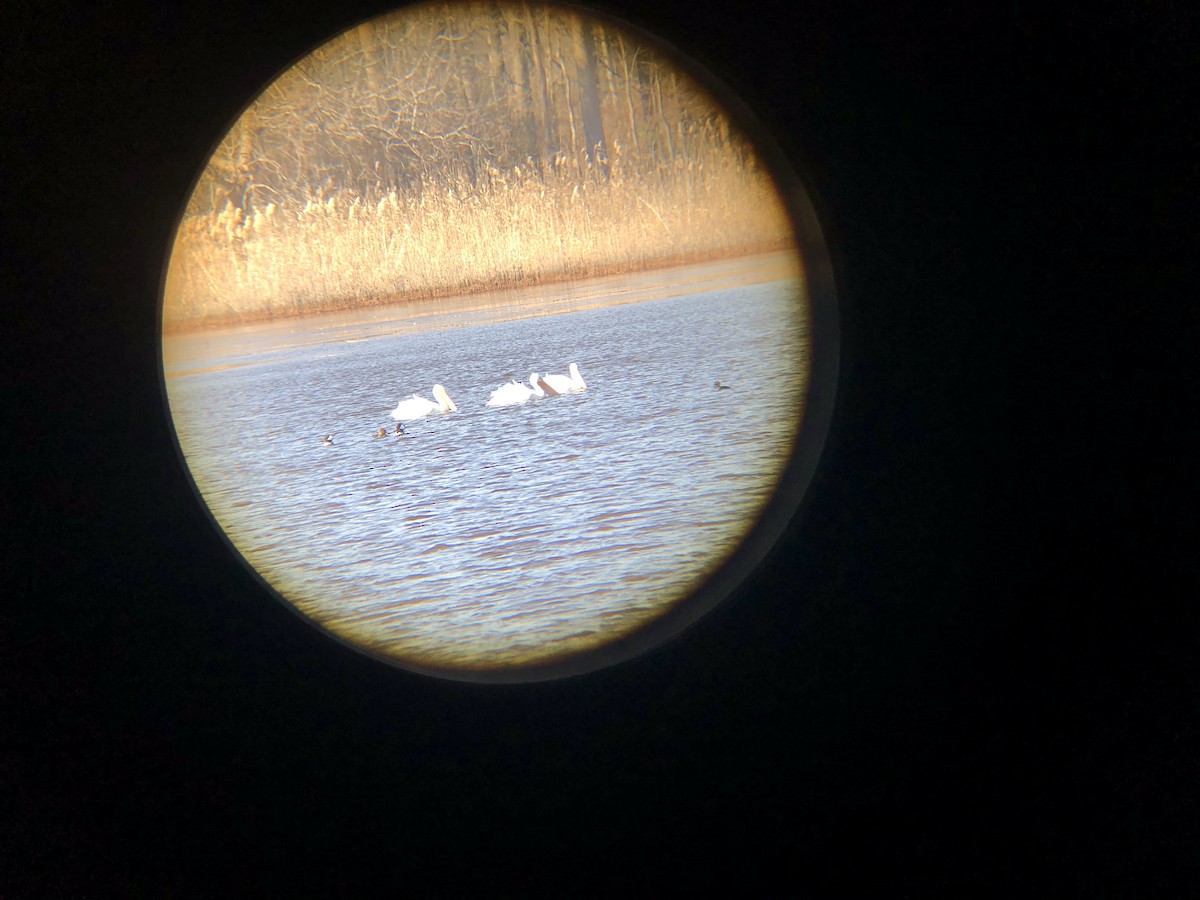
465,292
192,352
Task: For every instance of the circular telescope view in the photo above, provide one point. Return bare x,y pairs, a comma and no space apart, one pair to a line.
488,340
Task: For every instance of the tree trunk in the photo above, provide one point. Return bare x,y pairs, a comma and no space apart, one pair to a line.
547,143
515,69
589,96
633,125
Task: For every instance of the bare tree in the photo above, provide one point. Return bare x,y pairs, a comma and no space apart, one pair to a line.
589,97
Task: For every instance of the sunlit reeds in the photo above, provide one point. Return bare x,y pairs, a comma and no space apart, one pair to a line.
513,228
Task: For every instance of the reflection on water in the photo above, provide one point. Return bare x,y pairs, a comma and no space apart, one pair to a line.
496,537
242,345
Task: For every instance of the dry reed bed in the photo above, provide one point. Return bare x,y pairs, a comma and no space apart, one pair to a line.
518,228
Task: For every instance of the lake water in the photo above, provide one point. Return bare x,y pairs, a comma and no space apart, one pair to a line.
496,537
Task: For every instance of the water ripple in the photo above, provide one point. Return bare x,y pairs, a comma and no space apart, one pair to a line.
489,535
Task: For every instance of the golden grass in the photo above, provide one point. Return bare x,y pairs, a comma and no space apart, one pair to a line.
515,228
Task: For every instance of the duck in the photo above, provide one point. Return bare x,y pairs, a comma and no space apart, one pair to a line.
515,392
566,384
416,406
380,433
327,440
718,386
399,429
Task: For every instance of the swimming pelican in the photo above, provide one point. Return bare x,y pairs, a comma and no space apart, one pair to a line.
415,407
515,392
564,384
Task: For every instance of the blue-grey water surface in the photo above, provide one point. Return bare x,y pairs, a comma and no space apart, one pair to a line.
491,537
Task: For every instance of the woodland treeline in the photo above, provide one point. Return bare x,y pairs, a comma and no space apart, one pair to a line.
453,148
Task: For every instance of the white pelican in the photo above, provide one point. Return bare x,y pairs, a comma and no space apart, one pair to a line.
415,407
564,384
515,392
